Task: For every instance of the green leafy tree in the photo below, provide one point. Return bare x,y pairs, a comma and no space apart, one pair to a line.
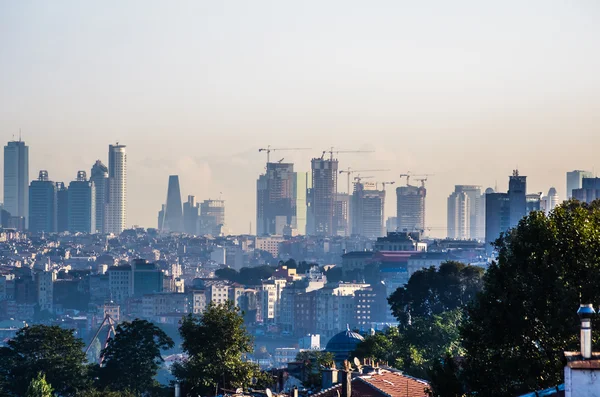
519,326
104,393
313,360
93,355
39,387
381,346
435,291
216,343
445,378
49,349
132,357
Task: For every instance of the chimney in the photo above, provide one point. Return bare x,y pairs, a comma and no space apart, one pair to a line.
347,380
330,377
586,312
295,392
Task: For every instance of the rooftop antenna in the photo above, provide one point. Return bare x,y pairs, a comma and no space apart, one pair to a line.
19,135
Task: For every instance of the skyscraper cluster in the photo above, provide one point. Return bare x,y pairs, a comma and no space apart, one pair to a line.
190,217
94,205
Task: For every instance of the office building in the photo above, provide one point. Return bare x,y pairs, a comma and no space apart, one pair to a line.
466,219
321,198
16,179
367,210
589,191
533,202
42,205
276,203
517,192
574,181
120,283
117,189
391,224
82,205
62,207
173,218
212,217
190,215
161,217
99,177
410,208
301,184
341,215
497,217
147,278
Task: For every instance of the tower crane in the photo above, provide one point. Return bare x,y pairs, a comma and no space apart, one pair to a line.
424,179
407,175
387,183
359,178
350,171
269,149
331,152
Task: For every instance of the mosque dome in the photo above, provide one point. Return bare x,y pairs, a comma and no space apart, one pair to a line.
344,343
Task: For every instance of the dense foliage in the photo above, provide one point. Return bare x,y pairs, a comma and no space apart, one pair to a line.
215,343
311,375
246,275
39,387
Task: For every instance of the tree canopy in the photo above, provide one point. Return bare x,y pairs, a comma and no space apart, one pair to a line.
519,326
215,342
39,387
51,350
246,275
132,357
311,375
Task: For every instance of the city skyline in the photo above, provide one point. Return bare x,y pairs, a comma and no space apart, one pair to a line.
454,93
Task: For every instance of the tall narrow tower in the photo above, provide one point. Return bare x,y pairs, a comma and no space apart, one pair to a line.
16,179
117,188
322,196
173,219
99,177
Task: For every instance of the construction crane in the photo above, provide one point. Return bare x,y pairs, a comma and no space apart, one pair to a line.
407,175
269,149
350,171
331,152
386,183
424,179
359,178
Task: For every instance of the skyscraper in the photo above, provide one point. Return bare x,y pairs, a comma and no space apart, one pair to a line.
275,195
301,185
82,205
517,192
367,207
322,197
410,207
533,202
173,220
497,217
117,189
212,217
99,177
42,204
550,201
589,191
341,215
469,224
62,207
16,179
190,215
574,180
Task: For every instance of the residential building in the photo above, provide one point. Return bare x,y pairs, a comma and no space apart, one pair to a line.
42,204
62,207
400,241
335,304
575,179
321,197
190,215
44,284
120,283
269,244
82,205
160,304
410,207
199,301
16,179
371,306
99,177
465,219
271,291
425,260
117,189
147,278
217,293
173,217
367,213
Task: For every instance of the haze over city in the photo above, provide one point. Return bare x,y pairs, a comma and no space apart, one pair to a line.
464,90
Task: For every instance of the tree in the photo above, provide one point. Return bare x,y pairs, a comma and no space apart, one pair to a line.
227,273
380,347
48,349
435,291
39,387
313,360
215,343
518,327
132,357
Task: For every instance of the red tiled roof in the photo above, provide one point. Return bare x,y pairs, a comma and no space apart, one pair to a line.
386,384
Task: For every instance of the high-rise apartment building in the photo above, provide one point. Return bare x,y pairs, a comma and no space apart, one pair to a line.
117,189
575,179
517,193
410,207
321,200
173,218
551,201
99,177
16,179
589,191
62,207
276,203
465,220
212,217
190,215
42,204
82,205
367,210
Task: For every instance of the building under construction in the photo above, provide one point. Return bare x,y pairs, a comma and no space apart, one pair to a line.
321,200
368,205
411,208
276,199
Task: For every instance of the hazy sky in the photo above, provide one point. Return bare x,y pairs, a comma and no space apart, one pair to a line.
465,90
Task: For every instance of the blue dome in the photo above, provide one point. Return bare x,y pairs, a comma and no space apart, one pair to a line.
344,343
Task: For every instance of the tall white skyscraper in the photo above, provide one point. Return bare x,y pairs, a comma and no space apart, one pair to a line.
16,179
117,188
464,213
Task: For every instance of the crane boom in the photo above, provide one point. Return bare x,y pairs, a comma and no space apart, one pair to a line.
350,171
331,152
269,149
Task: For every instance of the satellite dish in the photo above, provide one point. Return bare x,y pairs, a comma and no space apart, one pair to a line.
239,390
356,361
269,392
